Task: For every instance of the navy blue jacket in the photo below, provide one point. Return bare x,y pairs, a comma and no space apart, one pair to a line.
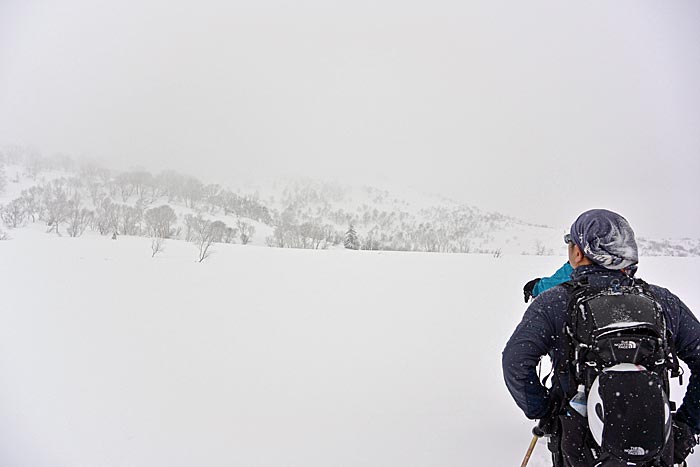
541,333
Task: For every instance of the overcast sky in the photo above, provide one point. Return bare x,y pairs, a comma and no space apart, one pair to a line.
538,109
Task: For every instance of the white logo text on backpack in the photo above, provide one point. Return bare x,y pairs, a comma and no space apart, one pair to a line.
636,451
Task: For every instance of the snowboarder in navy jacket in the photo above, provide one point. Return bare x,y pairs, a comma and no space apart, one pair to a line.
602,248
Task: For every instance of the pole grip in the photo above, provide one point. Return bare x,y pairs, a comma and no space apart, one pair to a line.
538,431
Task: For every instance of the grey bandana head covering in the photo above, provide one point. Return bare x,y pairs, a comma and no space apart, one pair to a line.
606,238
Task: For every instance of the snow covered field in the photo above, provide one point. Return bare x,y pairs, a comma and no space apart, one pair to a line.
262,357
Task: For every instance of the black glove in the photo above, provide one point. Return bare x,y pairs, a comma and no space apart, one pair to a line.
684,440
527,290
546,426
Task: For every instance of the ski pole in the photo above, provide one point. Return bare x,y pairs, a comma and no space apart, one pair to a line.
537,433
529,450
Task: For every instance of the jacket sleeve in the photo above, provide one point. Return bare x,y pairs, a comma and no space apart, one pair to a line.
562,275
687,342
533,338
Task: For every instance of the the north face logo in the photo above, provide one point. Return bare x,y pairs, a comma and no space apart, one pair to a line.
636,451
626,345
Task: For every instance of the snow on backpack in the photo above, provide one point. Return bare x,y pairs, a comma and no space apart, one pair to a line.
621,353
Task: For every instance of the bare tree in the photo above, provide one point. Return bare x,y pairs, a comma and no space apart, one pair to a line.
130,219
31,199
204,244
204,241
191,226
126,188
78,219
210,194
140,181
192,191
230,235
277,238
218,231
427,237
56,205
463,245
159,221
168,184
205,234
313,235
97,194
371,242
14,213
157,245
107,217
74,187
246,231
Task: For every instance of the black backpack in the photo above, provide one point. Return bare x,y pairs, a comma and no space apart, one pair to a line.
621,351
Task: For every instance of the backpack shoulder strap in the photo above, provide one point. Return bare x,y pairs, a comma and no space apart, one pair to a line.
673,363
564,371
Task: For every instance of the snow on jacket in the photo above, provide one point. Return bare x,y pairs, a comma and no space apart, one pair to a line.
541,333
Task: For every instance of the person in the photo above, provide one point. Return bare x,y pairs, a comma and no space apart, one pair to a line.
536,286
602,250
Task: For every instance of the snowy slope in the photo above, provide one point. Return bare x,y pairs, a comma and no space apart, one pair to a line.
307,212
263,357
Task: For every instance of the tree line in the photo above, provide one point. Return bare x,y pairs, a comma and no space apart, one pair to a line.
305,214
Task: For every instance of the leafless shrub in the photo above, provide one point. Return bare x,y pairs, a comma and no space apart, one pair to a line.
157,246
540,248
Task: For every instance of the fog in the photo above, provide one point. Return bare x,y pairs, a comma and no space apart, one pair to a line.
534,109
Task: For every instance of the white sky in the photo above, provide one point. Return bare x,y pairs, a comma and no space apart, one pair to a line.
539,109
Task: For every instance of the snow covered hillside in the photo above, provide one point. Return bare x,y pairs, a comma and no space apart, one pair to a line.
263,357
69,199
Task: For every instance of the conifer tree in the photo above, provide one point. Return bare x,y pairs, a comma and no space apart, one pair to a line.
351,240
